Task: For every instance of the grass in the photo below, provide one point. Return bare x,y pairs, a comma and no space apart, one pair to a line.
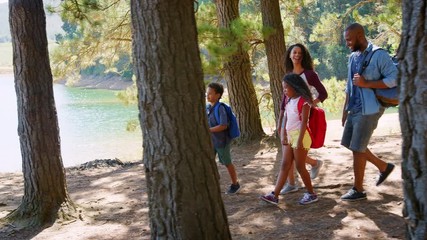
6,51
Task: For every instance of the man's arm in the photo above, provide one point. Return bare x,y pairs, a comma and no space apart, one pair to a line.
387,70
344,111
360,81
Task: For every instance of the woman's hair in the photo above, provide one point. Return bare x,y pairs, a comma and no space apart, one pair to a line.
217,87
299,85
307,62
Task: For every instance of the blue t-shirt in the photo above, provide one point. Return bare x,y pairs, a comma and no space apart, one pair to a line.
219,139
355,103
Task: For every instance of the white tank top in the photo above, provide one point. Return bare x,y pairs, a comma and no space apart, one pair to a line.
292,115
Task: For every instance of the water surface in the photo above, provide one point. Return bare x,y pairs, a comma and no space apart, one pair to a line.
92,126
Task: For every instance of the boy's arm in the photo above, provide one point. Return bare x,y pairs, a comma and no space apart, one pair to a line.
218,128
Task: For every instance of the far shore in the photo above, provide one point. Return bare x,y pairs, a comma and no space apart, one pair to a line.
6,70
90,82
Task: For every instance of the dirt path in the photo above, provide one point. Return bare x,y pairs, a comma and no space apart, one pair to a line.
114,199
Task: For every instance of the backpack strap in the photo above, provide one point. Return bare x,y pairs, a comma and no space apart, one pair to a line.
300,104
367,59
216,112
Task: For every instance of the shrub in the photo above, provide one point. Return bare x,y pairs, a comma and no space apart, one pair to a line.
333,105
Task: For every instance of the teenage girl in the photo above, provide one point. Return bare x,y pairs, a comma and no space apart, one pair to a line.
298,60
296,140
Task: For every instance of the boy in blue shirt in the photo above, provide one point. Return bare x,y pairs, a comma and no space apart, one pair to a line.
219,133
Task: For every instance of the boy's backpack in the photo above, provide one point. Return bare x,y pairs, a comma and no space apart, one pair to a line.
316,126
388,97
233,126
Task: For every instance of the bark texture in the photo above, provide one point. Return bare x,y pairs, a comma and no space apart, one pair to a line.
413,116
44,175
182,179
275,48
237,73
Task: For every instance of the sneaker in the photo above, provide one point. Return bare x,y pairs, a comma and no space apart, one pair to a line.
270,198
384,175
353,195
315,170
233,189
288,189
308,198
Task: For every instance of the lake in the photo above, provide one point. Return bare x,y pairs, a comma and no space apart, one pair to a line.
92,125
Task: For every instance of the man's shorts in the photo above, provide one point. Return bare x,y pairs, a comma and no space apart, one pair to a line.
358,130
224,155
293,139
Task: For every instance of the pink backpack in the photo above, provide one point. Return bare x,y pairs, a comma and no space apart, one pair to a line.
316,124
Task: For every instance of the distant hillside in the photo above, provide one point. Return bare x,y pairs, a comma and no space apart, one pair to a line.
53,22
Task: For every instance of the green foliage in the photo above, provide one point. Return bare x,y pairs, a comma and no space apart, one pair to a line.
217,44
98,37
129,95
266,106
329,29
383,24
70,32
331,60
132,125
325,21
333,105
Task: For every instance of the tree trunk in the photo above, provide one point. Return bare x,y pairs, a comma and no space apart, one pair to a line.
275,49
237,74
44,175
182,178
413,114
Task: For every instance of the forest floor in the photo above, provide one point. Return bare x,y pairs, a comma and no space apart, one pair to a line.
114,205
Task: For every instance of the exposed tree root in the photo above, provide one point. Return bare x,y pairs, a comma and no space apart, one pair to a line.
24,223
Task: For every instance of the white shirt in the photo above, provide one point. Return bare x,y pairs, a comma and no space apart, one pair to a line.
292,115
313,90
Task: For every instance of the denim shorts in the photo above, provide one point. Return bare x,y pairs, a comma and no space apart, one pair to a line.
358,130
224,155
293,139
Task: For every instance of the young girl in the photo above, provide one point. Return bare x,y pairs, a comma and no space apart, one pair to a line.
298,60
296,140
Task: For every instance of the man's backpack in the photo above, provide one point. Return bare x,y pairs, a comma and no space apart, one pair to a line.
387,97
233,126
316,126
